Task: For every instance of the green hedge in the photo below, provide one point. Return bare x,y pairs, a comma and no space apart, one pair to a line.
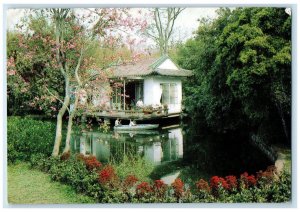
27,136
104,186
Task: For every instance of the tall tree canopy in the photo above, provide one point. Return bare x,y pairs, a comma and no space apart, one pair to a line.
242,64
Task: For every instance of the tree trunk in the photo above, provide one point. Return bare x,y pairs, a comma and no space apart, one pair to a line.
70,124
60,115
69,133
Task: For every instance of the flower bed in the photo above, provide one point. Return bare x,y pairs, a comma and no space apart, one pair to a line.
88,176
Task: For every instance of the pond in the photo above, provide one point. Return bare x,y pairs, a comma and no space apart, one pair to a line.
176,151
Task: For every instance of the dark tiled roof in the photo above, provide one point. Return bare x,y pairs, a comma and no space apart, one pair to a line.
146,67
171,72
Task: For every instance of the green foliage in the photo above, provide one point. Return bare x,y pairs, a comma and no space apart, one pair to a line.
35,68
134,165
242,66
26,137
73,171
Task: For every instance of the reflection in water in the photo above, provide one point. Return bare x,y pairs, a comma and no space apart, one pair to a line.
178,152
157,147
170,178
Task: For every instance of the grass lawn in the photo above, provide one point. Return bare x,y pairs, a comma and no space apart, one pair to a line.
29,186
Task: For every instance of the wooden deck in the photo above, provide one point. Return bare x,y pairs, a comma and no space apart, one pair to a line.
131,114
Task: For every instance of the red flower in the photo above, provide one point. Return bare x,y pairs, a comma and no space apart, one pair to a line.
91,162
202,185
143,189
267,175
251,180
107,175
224,184
178,186
216,182
158,184
231,181
247,180
160,188
130,180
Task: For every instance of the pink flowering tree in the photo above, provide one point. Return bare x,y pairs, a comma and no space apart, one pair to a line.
70,46
30,67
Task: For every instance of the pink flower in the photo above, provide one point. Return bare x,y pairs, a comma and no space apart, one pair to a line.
11,72
53,108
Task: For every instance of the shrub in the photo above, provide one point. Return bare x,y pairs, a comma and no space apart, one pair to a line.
104,186
80,157
203,191
114,196
134,165
202,185
232,182
247,181
42,162
178,187
130,181
65,155
107,176
92,163
217,183
159,188
71,171
267,176
26,136
143,190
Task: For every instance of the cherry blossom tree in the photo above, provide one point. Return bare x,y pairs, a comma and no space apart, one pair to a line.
74,33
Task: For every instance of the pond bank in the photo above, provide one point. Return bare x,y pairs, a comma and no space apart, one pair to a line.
283,160
278,153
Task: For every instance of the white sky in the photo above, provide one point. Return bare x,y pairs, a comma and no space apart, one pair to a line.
186,21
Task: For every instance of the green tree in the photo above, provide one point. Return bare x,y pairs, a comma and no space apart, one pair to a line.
242,62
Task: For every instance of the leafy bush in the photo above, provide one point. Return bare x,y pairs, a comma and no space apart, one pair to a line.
178,187
160,189
73,172
42,162
26,136
65,156
106,186
108,177
143,190
134,165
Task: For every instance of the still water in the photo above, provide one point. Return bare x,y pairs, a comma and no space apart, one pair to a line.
180,151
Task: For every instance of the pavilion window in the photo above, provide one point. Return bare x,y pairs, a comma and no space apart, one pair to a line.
117,97
139,91
169,93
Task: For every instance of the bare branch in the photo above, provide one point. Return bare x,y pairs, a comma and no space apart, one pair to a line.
56,97
164,20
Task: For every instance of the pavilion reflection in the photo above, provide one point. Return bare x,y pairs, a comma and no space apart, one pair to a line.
157,147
